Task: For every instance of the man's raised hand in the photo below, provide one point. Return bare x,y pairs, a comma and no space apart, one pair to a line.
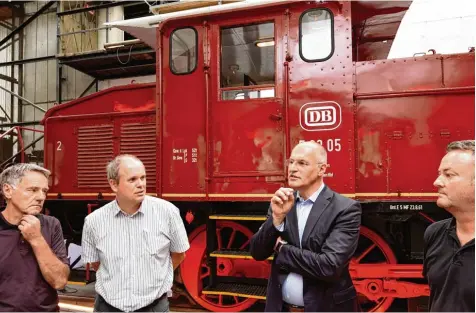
30,228
281,204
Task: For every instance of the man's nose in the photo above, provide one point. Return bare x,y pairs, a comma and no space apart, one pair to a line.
41,196
437,183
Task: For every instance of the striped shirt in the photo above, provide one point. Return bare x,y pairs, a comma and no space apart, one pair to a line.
134,251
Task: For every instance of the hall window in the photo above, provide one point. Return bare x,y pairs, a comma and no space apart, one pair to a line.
183,50
247,67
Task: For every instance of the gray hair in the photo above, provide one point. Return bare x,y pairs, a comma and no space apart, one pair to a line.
13,174
112,167
321,152
464,145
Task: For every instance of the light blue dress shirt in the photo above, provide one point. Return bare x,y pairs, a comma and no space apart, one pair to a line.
293,285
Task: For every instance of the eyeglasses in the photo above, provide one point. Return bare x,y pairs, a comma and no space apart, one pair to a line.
300,163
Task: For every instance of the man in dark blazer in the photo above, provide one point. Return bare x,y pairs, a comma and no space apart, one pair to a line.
313,233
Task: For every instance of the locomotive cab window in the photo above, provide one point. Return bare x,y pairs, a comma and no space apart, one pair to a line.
183,51
316,35
247,62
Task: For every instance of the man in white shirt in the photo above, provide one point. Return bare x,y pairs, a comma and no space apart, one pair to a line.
135,242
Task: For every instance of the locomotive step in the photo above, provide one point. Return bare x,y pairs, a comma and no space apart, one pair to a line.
237,290
238,217
233,254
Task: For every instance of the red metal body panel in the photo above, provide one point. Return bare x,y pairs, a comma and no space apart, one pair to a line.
81,136
130,98
401,135
323,82
246,136
182,124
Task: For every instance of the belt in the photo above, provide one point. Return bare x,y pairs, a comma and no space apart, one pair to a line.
292,308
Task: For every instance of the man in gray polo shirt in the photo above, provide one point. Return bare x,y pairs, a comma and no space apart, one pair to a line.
134,242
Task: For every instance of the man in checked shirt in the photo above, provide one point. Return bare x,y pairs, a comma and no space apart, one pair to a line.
134,242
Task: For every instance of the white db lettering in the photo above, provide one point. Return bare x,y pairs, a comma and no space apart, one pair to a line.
320,116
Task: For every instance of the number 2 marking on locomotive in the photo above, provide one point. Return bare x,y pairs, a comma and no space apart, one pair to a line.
58,148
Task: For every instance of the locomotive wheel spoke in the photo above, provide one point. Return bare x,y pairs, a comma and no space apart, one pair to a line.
219,239
363,254
232,238
245,244
206,274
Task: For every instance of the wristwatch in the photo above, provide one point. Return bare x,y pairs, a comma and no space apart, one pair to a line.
279,245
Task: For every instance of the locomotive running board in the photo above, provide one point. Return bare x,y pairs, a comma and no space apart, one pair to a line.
237,290
233,254
237,217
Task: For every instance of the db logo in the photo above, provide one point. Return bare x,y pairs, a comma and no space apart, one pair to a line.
317,116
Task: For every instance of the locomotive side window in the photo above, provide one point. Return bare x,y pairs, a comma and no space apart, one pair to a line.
247,62
316,35
183,47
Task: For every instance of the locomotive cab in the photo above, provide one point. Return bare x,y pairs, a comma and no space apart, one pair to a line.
257,82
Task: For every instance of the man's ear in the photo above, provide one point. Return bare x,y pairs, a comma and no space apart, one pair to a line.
113,185
322,169
7,191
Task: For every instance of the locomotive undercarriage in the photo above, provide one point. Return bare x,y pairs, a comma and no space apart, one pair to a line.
222,276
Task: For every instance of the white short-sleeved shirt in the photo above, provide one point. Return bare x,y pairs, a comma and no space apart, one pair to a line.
134,251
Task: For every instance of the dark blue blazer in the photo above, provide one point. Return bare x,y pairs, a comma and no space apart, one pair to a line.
329,240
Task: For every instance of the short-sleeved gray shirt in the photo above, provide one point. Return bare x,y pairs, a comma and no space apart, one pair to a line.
134,251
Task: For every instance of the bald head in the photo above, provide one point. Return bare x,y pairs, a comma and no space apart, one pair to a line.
313,149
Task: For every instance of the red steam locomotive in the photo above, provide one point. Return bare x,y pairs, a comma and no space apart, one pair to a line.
237,87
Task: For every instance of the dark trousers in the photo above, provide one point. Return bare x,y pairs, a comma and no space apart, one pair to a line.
159,305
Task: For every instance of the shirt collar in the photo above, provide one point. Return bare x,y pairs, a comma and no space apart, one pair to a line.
313,197
116,209
451,230
452,224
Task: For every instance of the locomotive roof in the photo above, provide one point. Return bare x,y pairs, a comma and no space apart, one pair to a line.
375,23
144,27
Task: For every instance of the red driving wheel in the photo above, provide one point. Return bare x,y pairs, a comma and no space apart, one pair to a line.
375,250
195,272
